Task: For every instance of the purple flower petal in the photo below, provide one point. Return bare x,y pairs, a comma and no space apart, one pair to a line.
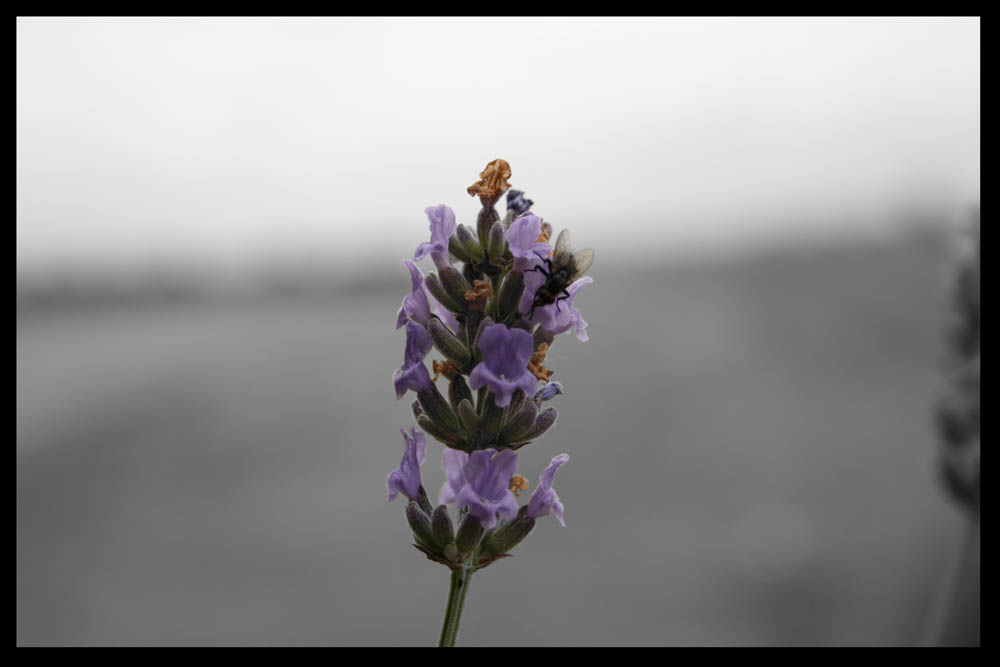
442,222
453,463
406,478
502,388
415,378
504,368
485,493
547,392
506,351
413,374
545,499
415,305
522,237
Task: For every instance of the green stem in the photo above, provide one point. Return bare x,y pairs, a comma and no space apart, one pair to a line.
456,601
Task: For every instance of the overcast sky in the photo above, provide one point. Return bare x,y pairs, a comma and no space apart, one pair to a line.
232,141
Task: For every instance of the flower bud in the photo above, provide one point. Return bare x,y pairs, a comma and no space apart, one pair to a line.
469,244
423,501
448,343
455,285
519,423
444,437
469,534
457,251
547,392
420,524
510,295
509,535
543,422
518,203
516,403
469,418
437,409
496,242
489,425
458,390
441,526
437,290
484,223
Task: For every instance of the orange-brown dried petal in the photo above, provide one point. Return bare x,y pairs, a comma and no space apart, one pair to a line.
445,368
535,364
518,483
492,181
481,292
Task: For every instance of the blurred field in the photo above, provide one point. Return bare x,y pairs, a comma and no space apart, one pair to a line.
752,463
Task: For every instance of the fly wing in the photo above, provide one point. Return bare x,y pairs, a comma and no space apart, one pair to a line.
582,261
562,252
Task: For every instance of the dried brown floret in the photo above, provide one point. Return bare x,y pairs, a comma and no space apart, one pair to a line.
445,368
518,483
535,365
492,182
481,292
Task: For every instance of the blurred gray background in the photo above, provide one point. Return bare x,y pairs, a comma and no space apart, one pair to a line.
210,218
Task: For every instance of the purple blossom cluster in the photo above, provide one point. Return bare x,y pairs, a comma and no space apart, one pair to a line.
484,309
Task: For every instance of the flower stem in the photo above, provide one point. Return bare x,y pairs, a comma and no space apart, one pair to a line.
456,601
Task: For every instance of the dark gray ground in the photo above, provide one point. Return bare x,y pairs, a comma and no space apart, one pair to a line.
752,463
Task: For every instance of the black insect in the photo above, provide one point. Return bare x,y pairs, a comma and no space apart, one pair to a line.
560,270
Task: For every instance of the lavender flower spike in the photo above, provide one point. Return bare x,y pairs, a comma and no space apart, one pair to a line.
413,374
443,227
504,300
545,499
522,237
453,463
486,494
504,367
406,478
